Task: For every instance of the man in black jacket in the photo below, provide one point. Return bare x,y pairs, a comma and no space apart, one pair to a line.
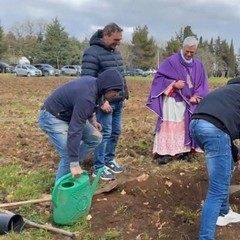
101,55
67,117
214,126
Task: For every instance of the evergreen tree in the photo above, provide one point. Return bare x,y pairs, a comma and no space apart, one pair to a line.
172,47
75,51
200,42
54,49
188,32
232,61
176,42
3,43
211,46
144,49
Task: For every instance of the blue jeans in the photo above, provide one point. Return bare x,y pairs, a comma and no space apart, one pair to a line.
57,131
111,130
217,147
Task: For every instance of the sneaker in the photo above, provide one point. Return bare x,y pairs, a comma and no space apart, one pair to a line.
230,217
106,175
114,167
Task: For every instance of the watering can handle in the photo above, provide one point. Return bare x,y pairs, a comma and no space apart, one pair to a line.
59,181
95,182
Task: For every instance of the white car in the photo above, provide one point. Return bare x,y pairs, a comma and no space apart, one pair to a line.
71,70
27,70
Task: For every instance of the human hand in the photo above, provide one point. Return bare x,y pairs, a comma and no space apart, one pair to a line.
179,84
125,102
76,171
195,99
106,107
98,126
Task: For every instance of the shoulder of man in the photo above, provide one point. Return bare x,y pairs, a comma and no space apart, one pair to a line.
92,49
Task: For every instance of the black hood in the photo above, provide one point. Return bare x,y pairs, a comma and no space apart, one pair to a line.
96,39
109,80
234,81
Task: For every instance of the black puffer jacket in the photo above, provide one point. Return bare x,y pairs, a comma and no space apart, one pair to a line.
98,58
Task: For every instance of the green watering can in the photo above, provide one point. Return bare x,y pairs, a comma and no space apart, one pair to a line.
72,197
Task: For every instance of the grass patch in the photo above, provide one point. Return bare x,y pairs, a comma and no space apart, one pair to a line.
111,235
17,184
186,215
141,147
218,80
21,184
212,80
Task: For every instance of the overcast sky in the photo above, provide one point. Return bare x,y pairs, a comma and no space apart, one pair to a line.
207,18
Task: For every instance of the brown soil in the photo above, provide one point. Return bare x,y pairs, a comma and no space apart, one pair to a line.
165,203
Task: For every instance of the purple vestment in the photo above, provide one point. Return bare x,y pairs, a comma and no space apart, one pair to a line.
172,69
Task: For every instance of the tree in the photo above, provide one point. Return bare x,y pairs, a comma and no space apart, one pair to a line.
54,49
172,47
125,50
188,32
176,42
3,43
75,51
211,46
200,43
23,38
84,44
207,59
232,61
57,48
144,49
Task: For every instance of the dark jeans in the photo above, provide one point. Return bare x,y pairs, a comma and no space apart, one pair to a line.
111,130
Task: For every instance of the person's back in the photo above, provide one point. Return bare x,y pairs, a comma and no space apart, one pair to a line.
102,54
64,98
223,104
214,126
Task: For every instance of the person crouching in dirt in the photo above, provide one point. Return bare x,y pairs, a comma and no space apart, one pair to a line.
67,118
214,126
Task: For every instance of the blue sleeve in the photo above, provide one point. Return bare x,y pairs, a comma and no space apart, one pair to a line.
79,117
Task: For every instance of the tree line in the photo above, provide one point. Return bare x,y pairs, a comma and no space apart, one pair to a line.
49,43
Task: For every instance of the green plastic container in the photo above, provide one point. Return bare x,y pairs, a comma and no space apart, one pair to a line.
72,197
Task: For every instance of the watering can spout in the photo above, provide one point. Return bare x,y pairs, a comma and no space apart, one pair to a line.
96,180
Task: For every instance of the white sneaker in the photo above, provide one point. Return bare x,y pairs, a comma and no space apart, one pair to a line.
230,217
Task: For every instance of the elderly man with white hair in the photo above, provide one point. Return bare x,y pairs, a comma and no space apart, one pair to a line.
178,86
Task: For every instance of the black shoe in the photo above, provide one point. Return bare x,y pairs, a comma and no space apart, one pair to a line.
187,157
164,159
155,156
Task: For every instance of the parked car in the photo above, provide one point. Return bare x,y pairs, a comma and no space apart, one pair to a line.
27,70
47,69
71,70
136,72
6,68
151,72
